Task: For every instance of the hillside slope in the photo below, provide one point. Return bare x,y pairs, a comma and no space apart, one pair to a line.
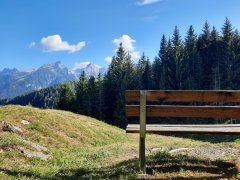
76,146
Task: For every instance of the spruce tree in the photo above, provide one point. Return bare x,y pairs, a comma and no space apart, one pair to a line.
82,98
92,97
191,62
147,76
204,42
114,89
170,68
177,55
227,55
215,55
159,66
139,70
236,60
99,97
66,97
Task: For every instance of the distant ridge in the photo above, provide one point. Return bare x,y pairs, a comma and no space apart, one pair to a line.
15,82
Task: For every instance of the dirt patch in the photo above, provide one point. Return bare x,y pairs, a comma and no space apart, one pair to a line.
210,152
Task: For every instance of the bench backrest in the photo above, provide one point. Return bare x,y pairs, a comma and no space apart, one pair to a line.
142,97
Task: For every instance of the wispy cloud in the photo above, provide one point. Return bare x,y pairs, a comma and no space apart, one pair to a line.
32,44
150,18
146,2
55,43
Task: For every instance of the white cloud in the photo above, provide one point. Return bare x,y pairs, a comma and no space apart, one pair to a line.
55,43
127,43
135,55
146,2
32,44
108,59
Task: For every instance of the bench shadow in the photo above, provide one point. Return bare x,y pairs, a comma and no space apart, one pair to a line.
215,139
16,173
159,165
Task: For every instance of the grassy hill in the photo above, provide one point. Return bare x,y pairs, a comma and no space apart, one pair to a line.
83,147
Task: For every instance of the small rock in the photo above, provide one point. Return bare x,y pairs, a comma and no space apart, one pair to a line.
180,150
25,122
36,154
38,147
8,127
16,129
155,149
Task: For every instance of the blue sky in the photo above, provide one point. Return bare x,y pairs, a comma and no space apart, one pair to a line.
33,33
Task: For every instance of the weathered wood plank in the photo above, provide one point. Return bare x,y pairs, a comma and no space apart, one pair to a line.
185,96
186,111
183,129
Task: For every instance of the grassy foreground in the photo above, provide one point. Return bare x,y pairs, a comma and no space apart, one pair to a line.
81,147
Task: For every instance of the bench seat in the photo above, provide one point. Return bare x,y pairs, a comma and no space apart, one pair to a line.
225,129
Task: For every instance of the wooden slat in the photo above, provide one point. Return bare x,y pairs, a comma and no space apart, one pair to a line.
185,96
186,111
189,129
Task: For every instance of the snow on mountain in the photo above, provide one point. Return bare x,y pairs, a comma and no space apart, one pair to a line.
89,68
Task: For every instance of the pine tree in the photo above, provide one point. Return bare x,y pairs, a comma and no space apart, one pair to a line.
227,55
191,62
92,97
129,73
144,73
215,56
114,89
139,71
170,68
236,60
147,76
66,98
99,97
177,55
82,99
159,66
204,43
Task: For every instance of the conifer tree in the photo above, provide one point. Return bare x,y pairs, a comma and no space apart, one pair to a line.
147,76
227,55
177,55
92,97
66,97
215,55
99,97
170,68
114,89
204,43
159,66
191,62
236,61
82,99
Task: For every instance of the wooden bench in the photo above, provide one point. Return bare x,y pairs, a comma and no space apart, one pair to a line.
143,111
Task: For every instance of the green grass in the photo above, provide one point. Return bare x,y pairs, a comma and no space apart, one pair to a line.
85,148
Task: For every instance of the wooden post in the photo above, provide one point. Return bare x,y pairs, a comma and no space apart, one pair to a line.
142,131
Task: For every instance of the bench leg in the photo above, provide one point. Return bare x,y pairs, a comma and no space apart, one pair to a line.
142,131
142,155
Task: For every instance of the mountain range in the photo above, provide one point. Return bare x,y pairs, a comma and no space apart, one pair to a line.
15,82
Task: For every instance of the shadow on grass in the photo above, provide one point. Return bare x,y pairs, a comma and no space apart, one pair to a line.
23,174
212,138
161,165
